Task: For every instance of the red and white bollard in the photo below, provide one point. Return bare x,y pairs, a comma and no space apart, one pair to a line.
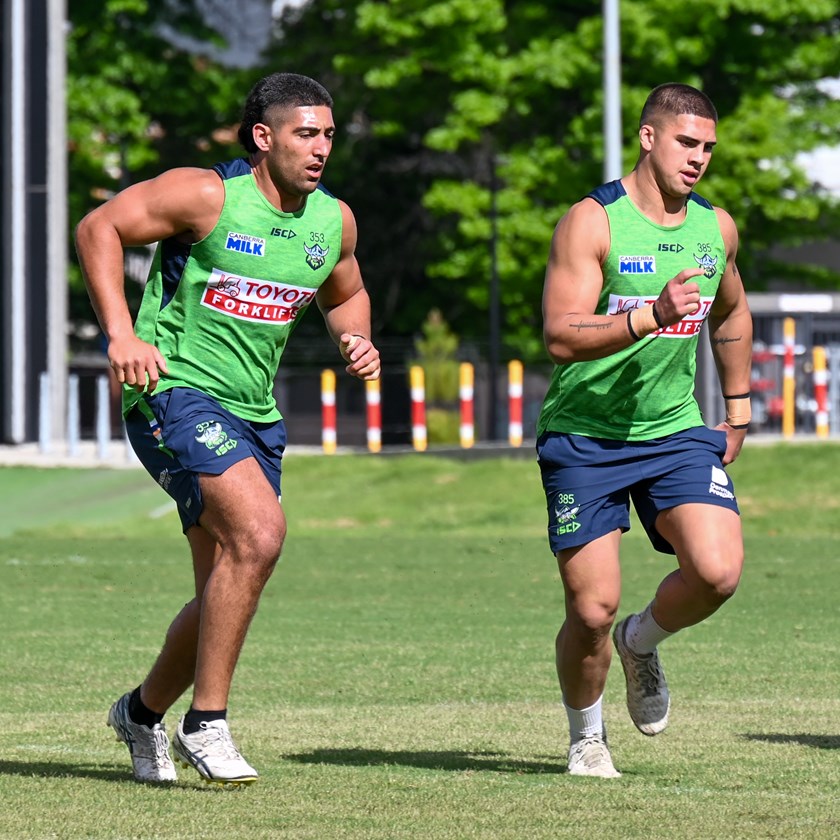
418,408
328,414
373,402
821,391
467,394
515,377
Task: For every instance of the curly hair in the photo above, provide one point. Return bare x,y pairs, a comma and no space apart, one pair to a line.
278,91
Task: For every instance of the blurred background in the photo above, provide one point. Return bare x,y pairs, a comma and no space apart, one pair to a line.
466,128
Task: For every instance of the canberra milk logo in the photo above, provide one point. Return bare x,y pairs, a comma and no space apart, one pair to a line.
245,244
720,484
637,265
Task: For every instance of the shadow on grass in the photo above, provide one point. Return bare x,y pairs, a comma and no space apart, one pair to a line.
822,742
450,760
59,769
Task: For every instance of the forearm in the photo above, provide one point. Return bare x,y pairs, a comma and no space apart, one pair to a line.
731,340
352,317
101,258
576,337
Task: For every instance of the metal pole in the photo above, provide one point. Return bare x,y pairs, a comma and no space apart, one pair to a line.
612,91
494,303
73,418
15,220
57,213
103,417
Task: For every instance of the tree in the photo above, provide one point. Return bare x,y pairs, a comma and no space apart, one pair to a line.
486,84
137,104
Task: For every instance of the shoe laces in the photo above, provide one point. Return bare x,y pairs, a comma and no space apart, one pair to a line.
648,673
219,742
592,751
161,744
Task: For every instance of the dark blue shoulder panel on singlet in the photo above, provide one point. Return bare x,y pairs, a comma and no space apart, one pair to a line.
173,261
232,168
608,193
700,200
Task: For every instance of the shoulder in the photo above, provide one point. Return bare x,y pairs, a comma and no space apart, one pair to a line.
728,229
584,227
349,232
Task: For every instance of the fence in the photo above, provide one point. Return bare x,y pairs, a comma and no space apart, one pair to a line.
795,390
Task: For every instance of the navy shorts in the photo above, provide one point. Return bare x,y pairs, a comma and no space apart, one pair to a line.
589,482
180,433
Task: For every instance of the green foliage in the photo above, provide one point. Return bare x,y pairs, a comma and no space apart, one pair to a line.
519,86
437,354
137,104
435,98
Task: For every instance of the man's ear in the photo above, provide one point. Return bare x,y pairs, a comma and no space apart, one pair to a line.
262,136
646,137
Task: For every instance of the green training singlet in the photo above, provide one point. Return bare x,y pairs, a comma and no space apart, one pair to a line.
221,310
645,391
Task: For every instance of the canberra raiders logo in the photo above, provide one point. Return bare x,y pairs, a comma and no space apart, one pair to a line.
708,263
316,256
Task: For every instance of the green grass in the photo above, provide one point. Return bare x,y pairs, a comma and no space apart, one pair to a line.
398,680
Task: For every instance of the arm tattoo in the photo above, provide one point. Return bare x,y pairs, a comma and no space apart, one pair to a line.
725,340
584,325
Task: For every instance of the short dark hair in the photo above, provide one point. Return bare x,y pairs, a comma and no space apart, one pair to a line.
279,90
673,99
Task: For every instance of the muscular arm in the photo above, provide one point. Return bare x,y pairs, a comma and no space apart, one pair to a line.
730,332
184,202
573,283
345,305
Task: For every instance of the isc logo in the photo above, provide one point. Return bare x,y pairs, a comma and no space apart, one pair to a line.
285,233
673,247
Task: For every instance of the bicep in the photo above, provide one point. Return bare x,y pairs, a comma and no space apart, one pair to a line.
345,279
176,202
574,278
730,296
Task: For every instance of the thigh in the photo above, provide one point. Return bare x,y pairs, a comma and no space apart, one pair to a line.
708,542
683,469
181,434
586,487
591,577
241,504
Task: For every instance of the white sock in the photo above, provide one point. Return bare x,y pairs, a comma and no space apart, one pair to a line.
643,633
584,722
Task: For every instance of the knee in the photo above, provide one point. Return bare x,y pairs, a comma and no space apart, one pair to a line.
591,620
720,579
258,545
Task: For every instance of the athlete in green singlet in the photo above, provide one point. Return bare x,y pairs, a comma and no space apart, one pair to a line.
243,249
635,270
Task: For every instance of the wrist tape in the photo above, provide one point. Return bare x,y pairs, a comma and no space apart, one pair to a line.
738,410
642,321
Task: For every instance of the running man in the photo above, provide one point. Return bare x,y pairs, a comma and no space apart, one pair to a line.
244,248
635,270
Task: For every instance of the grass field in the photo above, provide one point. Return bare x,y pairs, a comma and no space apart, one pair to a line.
398,680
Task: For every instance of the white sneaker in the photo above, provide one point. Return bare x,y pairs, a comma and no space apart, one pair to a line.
149,748
648,700
212,753
591,757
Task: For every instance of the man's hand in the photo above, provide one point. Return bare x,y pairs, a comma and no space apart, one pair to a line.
679,298
734,441
136,363
362,356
